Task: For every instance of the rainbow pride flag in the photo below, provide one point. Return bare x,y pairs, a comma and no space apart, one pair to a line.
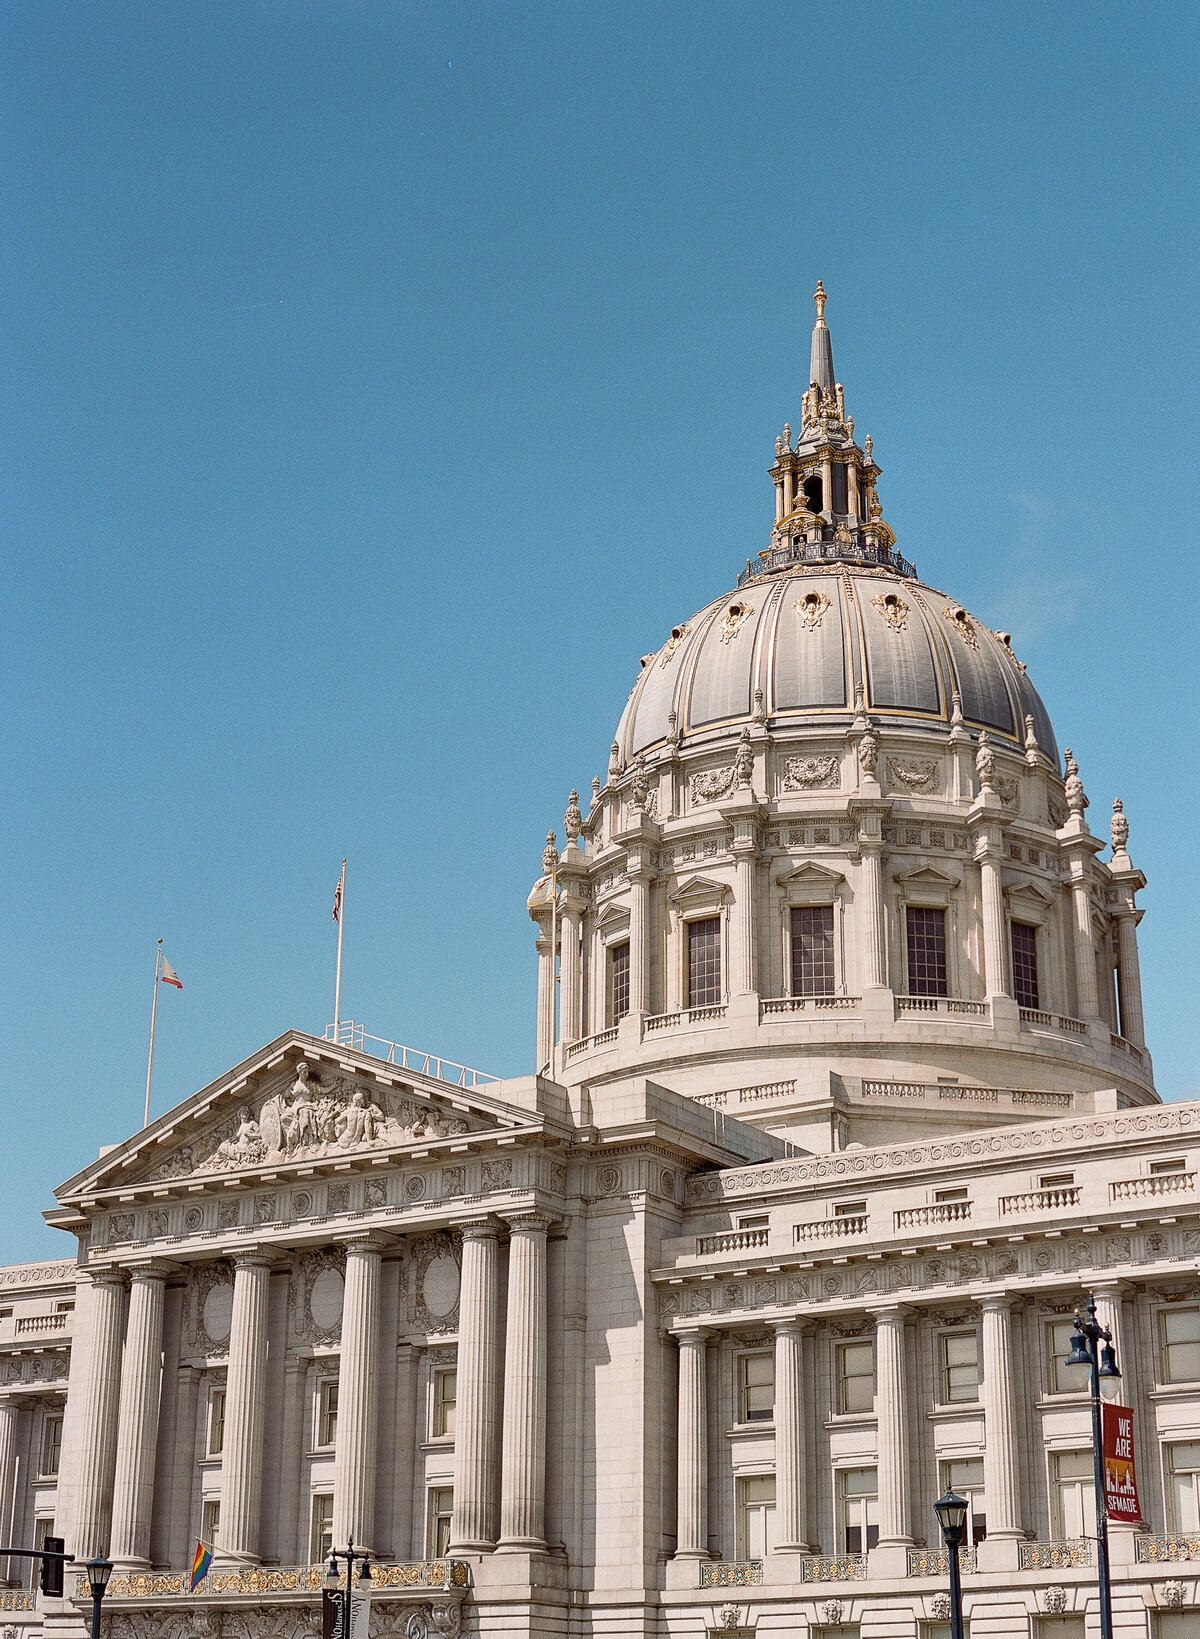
200,1565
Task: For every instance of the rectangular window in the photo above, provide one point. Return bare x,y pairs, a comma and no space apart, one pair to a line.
704,962
321,1540
964,1475
850,1209
756,1388
52,1443
42,1528
327,1409
755,1516
855,1378
445,1394
1159,1169
858,1509
941,1630
812,950
618,983
1175,1625
926,951
1061,1627
216,1422
1023,938
1180,1333
441,1520
960,1367
841,488
1061,1378
210,1520
1075,1495
1183,1486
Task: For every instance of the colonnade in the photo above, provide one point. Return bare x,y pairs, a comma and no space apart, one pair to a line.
116,1391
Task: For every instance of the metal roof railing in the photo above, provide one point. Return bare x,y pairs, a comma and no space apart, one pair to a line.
350,1034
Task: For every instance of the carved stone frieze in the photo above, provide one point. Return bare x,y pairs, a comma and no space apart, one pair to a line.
210,1308
434,1272
315,1295
915,773
713,784
810,773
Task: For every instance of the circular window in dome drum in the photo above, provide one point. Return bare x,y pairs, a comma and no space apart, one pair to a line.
736,617
678,633
962,623
893,609
811,607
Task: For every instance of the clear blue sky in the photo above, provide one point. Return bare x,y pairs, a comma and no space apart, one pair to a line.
379,381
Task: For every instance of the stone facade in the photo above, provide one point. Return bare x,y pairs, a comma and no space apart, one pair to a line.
843,1105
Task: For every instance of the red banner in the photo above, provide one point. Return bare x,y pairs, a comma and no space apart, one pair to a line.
1120,1482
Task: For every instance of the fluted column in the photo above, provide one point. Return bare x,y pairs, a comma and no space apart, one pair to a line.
476,1419
995,963
744,982
137,1422
523,1476
692,1521
1108,1313
853,502
1085,949
892,1422
572,972
639,941
358,1398
98,1393
871,880
1129,979
545,995
245,1407
1000,1485
790,1457
10,1412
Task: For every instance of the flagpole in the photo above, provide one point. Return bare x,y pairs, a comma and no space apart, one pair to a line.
337,989
153,1023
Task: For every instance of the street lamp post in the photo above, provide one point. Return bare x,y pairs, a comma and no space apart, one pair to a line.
1101,1361
98,1572
352,1556
951,1511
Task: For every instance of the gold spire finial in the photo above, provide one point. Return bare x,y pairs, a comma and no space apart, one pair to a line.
819,298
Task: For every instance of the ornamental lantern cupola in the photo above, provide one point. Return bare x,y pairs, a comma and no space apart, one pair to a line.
826,505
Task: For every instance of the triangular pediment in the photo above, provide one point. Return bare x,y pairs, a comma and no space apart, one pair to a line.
808,872
928,876
1029,890
699,887
301,1102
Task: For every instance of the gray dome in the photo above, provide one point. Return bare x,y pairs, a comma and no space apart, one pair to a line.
809,640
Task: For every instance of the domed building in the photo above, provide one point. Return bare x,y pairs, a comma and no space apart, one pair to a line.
841,1108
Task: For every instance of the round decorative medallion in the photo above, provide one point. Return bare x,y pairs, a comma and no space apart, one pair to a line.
218,1311
325,1299
666,1182
608,1180
439,1287
302,1203
193,1220
414,1187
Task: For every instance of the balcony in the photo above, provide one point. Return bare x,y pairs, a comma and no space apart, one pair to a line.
1165,1550
831,1229
954,1006
1147,1189
782,1007
1055,1556
40,1323
304,1580
936,1561
833,1568
588,1044
1035,1019
736,1240
941,1212
1041,1200
686,1015
731,1573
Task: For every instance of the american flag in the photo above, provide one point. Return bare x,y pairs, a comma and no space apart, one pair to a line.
337,894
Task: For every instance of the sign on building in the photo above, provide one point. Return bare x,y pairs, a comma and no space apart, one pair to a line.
1120,1481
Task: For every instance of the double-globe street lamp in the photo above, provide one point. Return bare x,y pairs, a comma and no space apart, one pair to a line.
1092,1346
352,1556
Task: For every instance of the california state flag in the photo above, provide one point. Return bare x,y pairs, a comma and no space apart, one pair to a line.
169,975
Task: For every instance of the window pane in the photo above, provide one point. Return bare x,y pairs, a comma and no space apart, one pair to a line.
1024,964
52,1445
327,1422
1181,1345
445,1393
757,1388
812,950
960,1366
216,1422
441,1519
926,951
704,962
856,1375
322,1528
618,983
1064,1379
210,1521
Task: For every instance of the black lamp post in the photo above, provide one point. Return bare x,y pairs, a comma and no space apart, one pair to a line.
951,1511
352,1556
1091,1346
98,1572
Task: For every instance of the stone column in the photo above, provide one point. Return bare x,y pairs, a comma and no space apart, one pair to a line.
545,995
995,963
853,501
1129,978
183,1466
743,976
871,880
476,1418
639,940
245,1397
827,485
572,971
1108,1313
523,1476
137,1422
692,1525
99,1391
10,1413
892,1421
790,1457
1000,1484
1085,950
358,1398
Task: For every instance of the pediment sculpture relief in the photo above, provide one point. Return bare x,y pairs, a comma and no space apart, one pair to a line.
309,1119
